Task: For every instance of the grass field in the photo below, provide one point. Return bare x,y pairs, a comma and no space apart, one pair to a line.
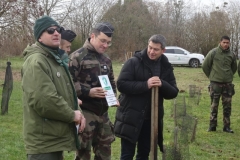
207,145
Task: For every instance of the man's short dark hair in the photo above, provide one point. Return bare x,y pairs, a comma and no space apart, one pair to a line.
158,38
95,32
225,37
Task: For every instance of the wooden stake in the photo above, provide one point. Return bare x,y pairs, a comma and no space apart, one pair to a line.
194,130
154,124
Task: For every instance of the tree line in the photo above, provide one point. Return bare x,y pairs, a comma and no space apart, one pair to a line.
193,26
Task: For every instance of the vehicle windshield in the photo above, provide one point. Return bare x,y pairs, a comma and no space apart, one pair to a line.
185,51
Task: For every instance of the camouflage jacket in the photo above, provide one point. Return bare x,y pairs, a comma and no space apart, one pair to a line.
85,65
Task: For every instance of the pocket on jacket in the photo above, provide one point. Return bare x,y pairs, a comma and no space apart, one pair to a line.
90,66
230,89
89,72
122,100
119,113
112,131
55,128
233,89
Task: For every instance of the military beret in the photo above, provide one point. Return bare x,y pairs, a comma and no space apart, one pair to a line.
68,35
105,27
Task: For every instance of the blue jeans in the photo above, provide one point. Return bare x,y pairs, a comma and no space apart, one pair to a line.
143,144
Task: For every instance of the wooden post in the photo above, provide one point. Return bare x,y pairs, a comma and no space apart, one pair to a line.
154,124
128,55
7,89
175,112
194,130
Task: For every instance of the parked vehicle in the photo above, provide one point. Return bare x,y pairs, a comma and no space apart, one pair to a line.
179,56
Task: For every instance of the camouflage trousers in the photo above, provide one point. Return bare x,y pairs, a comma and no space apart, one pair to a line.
226,91
98,134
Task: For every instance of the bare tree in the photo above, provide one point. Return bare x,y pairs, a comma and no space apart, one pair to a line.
197,33
234,16
160,14
84,14
15,26
133,27
18,17
194,27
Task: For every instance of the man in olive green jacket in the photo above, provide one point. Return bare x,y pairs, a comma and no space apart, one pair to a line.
51,112
219,66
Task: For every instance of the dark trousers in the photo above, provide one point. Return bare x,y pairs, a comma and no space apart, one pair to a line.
143,144
46,156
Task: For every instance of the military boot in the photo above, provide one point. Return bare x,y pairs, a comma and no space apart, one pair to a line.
211,129
227,129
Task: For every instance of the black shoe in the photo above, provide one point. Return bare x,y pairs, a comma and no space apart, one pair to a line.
211,129
227,129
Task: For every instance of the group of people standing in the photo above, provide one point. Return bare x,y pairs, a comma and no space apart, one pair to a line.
64,105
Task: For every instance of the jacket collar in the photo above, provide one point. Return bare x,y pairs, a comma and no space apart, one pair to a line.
142,55
223,50
89,46
55,53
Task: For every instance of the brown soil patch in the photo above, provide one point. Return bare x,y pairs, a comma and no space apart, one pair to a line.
16,75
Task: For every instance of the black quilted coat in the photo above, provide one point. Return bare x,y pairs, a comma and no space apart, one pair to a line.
135,97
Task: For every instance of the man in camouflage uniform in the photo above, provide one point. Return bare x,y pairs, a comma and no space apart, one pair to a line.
67,36
219,66
86,64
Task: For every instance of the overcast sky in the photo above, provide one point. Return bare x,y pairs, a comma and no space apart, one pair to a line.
207,4
201,2
210,2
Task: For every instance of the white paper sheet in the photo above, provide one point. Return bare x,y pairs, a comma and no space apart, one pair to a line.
106,85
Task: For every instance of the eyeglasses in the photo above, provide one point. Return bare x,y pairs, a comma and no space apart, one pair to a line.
52,30
103,41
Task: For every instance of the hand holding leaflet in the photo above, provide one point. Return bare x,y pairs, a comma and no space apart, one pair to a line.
106,85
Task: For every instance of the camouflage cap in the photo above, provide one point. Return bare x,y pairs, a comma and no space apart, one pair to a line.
105,27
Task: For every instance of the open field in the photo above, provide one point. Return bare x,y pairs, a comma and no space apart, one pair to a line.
216,145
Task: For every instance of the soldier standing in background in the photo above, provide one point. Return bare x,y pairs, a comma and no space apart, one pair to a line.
219,66
86,64
67,36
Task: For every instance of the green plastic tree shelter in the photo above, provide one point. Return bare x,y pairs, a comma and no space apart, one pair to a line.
7,89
